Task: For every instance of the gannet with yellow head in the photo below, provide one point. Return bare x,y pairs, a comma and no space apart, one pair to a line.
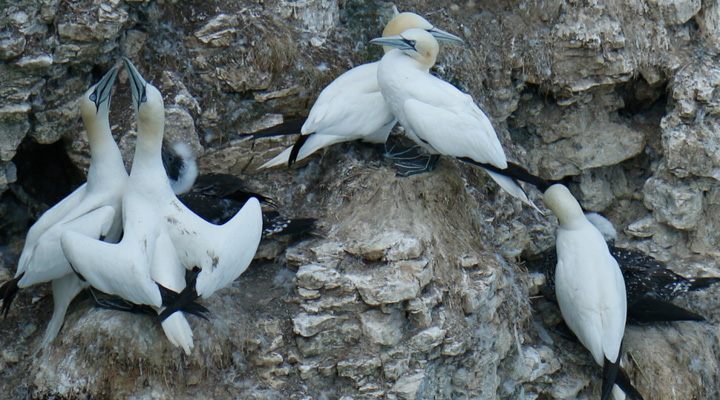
93,210
589,287
161,236
351,107
436,115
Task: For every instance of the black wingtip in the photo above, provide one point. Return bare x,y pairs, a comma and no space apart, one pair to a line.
702,283
274,224
288,127
514,171
8,291
183,301
654,310
610,372
296,149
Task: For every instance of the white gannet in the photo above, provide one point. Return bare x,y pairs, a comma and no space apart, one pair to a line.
590,289
163,237
92,210
218,197
145,257
436,115
649,284
351,107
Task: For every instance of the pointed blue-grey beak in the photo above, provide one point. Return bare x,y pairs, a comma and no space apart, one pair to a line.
441,35
137,83
103,89
397,42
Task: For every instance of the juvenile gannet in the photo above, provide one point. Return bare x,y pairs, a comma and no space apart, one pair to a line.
351,107
218,197
590,289
649,284
435,114
92,210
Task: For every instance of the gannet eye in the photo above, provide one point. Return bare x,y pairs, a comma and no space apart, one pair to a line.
93,96
143,98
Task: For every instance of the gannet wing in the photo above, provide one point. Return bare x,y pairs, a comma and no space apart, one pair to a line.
222,252
351,106
613,321
46,261
121,269
55,214
457,134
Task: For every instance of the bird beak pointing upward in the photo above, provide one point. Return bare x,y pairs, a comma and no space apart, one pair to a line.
104,88
397,42
441,35
137,83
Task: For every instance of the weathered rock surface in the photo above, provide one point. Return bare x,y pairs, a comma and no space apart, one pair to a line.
410,288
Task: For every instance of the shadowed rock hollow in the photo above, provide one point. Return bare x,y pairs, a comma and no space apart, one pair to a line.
410,288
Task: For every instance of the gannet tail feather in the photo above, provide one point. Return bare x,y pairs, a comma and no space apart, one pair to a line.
178,331
654,310
288,127
622,380
513,188
610,371
8,291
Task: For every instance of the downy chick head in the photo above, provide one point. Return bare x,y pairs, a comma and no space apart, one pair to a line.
95,102
415,43
408,20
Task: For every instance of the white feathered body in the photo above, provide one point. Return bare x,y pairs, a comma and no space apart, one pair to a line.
350,108
591,291
435,114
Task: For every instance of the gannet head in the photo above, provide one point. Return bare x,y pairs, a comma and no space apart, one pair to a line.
416,43
409,20
147,99
96,100
565,207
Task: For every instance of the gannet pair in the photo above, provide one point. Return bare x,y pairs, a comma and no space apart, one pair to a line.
351,107
590,289
649,284
93,210
436,115
218,197
162,238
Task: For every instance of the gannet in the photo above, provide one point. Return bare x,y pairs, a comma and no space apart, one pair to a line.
649,284
351,107
218,197
162,237
145,257
589,287
436,115
92,210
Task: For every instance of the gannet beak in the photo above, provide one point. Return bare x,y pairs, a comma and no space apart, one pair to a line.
137,83
103,89
441,35
397,42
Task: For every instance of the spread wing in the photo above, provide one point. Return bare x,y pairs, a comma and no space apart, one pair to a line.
223,252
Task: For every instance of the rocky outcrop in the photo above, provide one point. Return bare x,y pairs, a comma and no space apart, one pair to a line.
410,288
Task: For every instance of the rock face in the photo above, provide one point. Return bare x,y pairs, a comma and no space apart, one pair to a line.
410,288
